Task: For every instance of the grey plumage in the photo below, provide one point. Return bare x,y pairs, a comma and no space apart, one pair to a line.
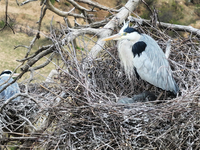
152,65
11,90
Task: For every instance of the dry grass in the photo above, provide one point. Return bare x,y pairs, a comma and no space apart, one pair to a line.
9,55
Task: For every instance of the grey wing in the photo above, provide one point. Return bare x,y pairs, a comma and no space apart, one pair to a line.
10,90
153,66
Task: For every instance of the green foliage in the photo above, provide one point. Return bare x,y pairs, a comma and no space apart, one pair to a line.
2,23
197,11
67,4
11,21
79,48
150,2
52,1
13,148
145,15
187,3
171,13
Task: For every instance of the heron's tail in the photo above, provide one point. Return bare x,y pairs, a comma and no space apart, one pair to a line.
176,88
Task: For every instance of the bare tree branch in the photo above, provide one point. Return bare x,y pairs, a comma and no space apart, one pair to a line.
97,5
61,13
83,9
77,32
33,60
25,2
76,5
96,24
109,27
29,122
33,55
15,96
176,27
45,63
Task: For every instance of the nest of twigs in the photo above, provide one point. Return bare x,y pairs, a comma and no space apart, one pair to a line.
81,111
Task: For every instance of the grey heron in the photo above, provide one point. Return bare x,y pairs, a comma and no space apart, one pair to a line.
141,54
12,89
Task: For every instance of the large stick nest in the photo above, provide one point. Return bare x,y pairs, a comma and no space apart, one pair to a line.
81,111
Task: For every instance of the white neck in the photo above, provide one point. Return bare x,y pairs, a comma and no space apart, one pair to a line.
126,56
125,52
134,36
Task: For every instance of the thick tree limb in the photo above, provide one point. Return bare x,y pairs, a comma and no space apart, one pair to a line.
90,31
109,27
73,33
45,63
76,5
82,9
61,13
167,25
33,55
32,61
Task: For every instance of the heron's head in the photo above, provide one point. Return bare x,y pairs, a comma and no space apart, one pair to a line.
126,32
8,73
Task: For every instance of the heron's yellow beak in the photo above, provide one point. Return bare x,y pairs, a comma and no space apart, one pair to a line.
113,37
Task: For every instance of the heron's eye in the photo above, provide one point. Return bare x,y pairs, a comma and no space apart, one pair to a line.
125,33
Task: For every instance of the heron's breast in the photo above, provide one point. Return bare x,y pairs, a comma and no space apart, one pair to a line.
125,51
126,55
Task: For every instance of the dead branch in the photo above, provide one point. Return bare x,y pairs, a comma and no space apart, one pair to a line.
45,63
113,23
33,55
96,24
33,60
83,10
90,31
74,33
76,5
61,13
13,97
42,14
29,122
169,26
97,5
25,2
